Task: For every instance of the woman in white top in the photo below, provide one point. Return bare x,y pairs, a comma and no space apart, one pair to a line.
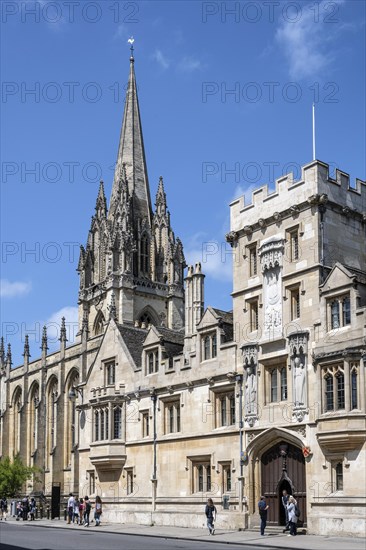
292,517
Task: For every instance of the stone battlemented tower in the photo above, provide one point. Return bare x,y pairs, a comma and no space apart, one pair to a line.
132,266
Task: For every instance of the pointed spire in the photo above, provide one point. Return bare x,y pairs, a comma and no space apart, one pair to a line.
101,203
9,361
63,337
44,346
2,351
131,151
112,307
160,201
26,353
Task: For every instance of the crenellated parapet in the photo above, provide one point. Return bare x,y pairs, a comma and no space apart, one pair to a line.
291,196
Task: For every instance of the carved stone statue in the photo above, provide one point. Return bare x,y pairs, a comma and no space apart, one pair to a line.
299,382
251,391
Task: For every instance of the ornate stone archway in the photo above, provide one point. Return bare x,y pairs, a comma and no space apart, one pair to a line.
275,462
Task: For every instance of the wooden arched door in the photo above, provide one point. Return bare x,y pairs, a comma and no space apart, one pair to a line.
283,467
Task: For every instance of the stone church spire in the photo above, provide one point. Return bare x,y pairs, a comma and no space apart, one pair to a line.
131,268
131,152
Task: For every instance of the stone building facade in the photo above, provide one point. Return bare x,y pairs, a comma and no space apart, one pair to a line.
163,402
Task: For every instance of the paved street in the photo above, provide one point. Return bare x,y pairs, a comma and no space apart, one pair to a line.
54,535
15,536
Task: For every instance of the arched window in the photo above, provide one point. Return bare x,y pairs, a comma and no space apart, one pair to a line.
144,255
15,431
71,418
51,435
33,419
99,323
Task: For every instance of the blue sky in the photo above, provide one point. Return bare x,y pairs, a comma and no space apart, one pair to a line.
225,92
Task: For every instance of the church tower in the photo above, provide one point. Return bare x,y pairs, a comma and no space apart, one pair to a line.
132,266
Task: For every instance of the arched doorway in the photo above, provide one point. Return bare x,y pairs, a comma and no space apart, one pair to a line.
283,467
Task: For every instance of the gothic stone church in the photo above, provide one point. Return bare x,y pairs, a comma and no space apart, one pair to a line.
163,402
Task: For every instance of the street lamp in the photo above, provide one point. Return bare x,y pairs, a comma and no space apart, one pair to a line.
73,394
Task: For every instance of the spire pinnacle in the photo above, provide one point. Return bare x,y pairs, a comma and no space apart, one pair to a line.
131,151
44,346
2,350
63,331
26,352
8,356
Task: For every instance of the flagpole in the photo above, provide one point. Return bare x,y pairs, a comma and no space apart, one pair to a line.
314,155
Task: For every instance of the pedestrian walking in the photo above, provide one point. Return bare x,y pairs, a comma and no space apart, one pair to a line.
211,514
87,511
70,508
292,516
263,508
32,509
81,511
285,497
76,511
97,510
19,510
25,508
3,508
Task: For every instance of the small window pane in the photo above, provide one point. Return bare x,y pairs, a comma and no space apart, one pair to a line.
340,391
283,384
346,311
354,390
339,477
329,403
274,386
335,314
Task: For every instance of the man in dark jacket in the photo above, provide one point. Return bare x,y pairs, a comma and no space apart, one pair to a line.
285,497
262,508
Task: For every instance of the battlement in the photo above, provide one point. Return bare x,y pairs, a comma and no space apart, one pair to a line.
315,180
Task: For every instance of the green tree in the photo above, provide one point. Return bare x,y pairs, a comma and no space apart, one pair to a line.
13,475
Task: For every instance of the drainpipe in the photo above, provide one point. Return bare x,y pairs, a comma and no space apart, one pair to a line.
322,261
154,478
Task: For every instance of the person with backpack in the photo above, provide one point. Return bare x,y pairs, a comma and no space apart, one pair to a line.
211,514
293,515
263,509
87,511
97,510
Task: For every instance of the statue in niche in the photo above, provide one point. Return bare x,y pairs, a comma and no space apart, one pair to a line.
299,381
251,391
273,313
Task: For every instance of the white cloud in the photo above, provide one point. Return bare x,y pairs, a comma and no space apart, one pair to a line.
305,41
10,289
53,325
189,64
161,59
214,255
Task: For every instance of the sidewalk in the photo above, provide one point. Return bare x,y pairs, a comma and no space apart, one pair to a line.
242,538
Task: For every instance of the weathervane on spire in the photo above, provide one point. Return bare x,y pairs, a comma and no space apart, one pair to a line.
131,40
